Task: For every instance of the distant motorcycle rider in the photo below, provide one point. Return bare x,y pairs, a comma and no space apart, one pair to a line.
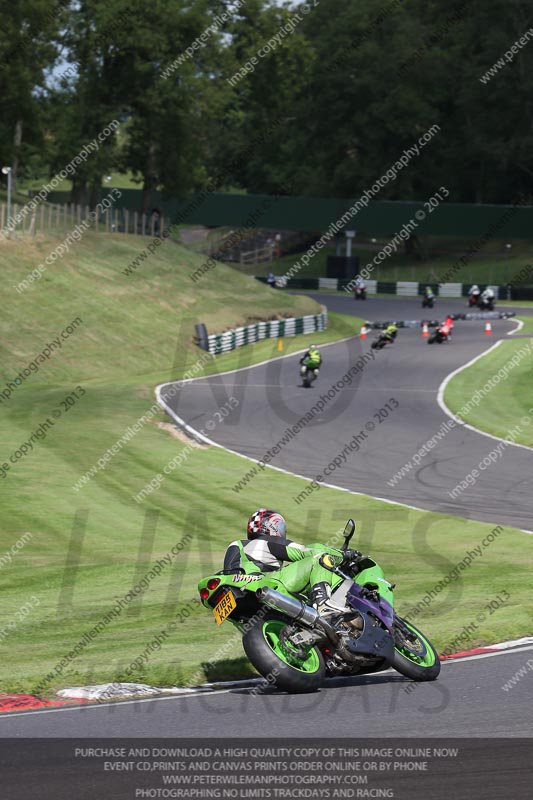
267,549
487,297
311,360
445,328
391,331
448,325
474,294
360,289
428,298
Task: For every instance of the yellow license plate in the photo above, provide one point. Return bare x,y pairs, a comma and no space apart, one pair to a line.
223,609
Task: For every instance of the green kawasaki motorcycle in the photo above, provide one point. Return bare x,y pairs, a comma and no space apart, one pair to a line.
295,647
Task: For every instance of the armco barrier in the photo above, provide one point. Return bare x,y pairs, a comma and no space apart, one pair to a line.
432,323
293,283
409,288
229,340
386,287
341,283
450,289
519,293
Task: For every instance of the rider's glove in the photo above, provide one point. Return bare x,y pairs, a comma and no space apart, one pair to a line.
352,557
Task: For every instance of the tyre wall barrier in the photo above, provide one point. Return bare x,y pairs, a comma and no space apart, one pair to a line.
274,329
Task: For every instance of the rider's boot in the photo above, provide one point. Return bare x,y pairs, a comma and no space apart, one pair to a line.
319,594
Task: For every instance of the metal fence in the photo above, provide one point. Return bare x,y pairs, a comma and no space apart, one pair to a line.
258,255
61,218
250,245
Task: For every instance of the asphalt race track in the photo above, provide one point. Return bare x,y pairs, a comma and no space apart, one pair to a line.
467,700
271,399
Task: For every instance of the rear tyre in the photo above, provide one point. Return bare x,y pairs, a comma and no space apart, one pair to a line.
306,380
291,669
414,655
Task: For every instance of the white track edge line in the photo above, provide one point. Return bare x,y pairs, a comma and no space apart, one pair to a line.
107,704
181,422
196,434
458,420
519,326
259,363
87,706
486,655
201,437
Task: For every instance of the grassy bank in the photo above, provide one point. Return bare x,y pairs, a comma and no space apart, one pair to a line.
81,550
196,511
118,336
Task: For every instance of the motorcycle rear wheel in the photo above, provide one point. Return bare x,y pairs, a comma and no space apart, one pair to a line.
414,655
291,670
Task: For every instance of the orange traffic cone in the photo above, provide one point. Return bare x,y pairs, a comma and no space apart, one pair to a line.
488,328
425,331
363,331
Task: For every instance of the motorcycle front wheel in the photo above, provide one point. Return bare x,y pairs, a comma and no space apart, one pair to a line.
293,669
414,655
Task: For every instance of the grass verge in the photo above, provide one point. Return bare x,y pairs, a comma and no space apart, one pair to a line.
83,550
527,327
504,407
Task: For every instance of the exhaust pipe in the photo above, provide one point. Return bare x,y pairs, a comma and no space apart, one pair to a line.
306,615
295,609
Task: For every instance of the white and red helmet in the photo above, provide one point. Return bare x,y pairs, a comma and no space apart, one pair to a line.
265,522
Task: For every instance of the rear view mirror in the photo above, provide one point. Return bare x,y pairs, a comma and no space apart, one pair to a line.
349,531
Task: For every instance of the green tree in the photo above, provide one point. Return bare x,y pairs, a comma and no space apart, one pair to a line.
258,111
421,65
28,47
162,91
